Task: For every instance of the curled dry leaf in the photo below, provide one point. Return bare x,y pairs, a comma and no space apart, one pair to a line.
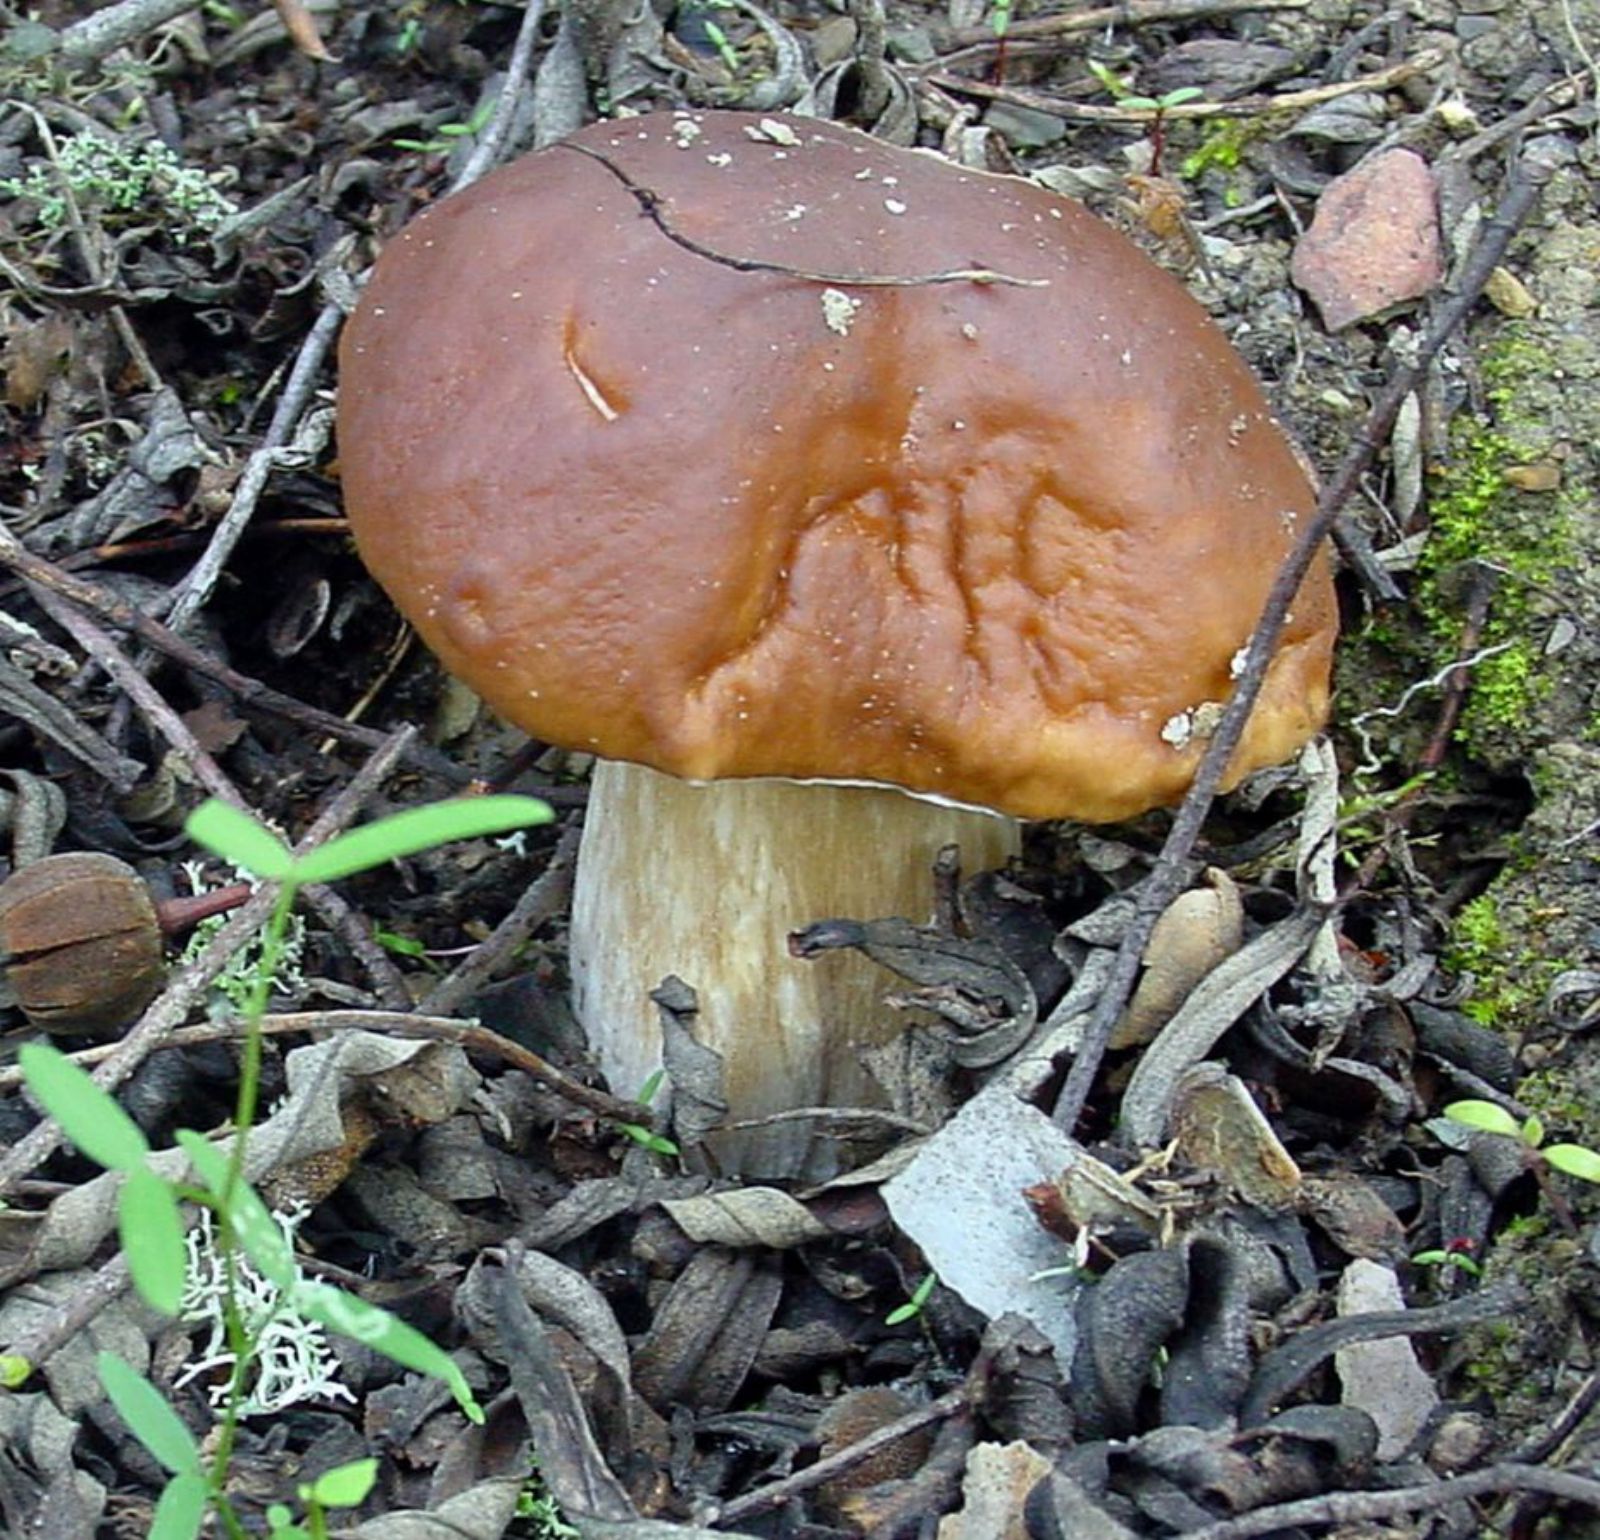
750,1216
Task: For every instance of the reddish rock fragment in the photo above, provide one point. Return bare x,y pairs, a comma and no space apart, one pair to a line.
1374,241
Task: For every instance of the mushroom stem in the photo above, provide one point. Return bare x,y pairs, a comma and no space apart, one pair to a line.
707,882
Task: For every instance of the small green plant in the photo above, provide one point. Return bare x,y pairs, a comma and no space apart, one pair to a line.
1000,25
1454,1258
913,1306
1541,1158
446,134
537,1508
252,1284
725,49
123,181
346,1486
1125,96
409,36
406,946
657,1144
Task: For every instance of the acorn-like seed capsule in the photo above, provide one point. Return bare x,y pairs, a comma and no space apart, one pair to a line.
81,944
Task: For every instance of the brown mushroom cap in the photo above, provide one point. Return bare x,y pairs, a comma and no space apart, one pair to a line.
991,541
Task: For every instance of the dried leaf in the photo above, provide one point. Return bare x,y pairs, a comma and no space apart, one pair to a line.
749,1216
1195,932
1220,1129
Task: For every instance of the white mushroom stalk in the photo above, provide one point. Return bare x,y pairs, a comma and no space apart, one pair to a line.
707,883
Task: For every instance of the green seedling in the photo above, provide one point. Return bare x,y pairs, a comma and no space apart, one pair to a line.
152,1222
409,35
345,1486
725,49
1454,1258
406,946
537,1509
656,1143
1125,96
1000,24
913,1306
1540,1158
446,134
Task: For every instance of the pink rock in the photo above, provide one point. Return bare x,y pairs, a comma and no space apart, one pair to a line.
1374,241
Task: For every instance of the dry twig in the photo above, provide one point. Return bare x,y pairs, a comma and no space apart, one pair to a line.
1168,874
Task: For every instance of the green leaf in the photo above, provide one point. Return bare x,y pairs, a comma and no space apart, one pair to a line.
238,838
419,828
1430,1258
259,1235
182,1508
89,1116
1139,103
151,1228
1180,96
1575,1160
1111,81
901,1313
1484,1116
656,1143
281,1524
345,1486
15,1371
1532,1133
149,1416
387,1334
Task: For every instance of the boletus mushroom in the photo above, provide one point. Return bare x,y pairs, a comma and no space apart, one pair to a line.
789,472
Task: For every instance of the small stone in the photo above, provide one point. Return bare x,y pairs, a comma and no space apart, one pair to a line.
912,45
1025,128
1543,476
1509,295
1221,67
1382,1378
1374,242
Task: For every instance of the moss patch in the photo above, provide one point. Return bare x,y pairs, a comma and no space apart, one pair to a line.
1478,516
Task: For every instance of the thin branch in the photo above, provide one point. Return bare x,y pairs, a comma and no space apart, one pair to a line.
492,142
91,39
1239,107
1129,13
950,1404
470,1035
251,692
541,900
1167,876
1359,1507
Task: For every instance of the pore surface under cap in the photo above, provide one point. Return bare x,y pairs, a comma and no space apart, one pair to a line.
982,540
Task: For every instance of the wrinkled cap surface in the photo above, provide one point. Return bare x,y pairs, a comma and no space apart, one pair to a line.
992,542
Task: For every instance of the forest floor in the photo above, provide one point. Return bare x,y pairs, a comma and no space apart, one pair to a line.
189,200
